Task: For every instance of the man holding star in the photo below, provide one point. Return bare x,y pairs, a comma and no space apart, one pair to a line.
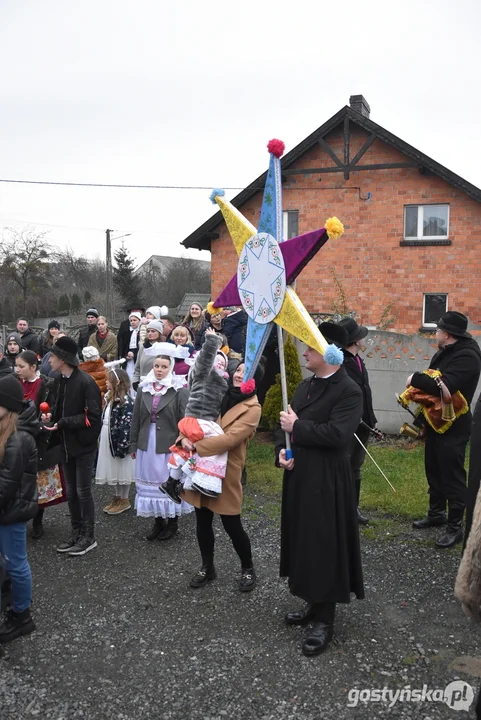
320,551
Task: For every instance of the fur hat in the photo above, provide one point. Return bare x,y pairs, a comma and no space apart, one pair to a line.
90,353
11,393
92,311
66,349
156,325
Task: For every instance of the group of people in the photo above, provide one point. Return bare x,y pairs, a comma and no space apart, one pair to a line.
178,424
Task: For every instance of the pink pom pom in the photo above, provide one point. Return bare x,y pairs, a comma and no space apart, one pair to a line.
276,147
248,386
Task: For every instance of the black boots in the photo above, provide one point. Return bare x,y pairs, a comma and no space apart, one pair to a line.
452,536
170,529
433,519
248,580
159,525
16,624
205,575
362,519
37,526
172,488
317,639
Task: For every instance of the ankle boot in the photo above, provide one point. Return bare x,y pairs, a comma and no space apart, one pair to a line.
431,520
159,525
318,638
37,526
170,529
452,536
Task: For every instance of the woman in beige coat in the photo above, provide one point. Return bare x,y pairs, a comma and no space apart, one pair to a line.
104,340
240,415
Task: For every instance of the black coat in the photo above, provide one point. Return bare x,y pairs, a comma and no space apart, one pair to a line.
18,471
320,552
123,341
31,341
474,477
234,327
48,456
5,367
361,378
460,365
78,414
84,335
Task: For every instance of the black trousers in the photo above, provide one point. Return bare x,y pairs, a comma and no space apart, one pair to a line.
233,527
444,465
325,612
357,455
78,479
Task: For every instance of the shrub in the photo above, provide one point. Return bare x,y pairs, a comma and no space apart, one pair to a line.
273,401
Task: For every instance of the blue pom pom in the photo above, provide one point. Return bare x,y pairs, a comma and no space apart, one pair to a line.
333,355
216,192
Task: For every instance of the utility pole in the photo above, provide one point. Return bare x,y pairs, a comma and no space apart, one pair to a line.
108,276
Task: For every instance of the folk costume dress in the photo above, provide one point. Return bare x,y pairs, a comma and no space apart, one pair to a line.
157,411
115,466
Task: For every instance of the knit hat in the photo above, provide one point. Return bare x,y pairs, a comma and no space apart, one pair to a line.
157,311
92,311
90,353
14,337
156,325
66,349
136,314
53,324
11,393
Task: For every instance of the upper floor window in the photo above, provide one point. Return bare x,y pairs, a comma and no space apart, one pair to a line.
426,222
290,224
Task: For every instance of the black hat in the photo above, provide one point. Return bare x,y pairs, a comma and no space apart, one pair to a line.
53,324
66,349
11,393
92,311
334,333
454,323
354,331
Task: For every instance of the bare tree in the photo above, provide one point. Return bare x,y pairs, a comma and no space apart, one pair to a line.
183,275
24,260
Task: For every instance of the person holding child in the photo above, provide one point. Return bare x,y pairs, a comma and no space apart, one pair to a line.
158,408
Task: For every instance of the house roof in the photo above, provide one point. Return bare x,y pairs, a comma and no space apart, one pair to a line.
187,301
165,262
202,237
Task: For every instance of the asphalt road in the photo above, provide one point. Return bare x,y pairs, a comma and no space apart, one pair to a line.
121,636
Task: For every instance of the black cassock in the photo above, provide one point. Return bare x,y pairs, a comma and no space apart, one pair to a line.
320,551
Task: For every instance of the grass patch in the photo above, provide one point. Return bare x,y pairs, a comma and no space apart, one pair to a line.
403,465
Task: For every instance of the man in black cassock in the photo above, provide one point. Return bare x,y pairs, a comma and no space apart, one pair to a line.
320,551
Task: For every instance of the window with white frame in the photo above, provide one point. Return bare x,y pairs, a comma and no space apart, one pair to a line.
426,222
290,224
434,307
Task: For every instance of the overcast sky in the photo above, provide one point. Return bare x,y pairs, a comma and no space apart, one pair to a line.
189,93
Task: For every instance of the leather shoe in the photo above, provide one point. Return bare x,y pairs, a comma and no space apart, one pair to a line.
247,580
451,537
318,639
430,521
205,575
362,519
300,617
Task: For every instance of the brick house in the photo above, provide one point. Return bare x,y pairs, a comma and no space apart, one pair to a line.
411,247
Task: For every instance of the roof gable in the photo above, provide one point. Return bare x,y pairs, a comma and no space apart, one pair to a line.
202,237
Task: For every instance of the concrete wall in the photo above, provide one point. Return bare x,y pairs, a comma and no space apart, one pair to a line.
390,358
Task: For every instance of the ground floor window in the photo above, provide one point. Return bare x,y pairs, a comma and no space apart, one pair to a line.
434,306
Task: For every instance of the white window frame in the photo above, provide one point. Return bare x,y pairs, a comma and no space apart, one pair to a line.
420,235
430,324
285,222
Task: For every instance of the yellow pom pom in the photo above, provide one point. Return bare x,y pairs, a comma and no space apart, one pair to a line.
213,310
334,228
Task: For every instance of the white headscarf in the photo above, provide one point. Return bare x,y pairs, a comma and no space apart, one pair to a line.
165,348
159,387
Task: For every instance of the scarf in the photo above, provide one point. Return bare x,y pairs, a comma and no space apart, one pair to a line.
158,387
133,338
232,398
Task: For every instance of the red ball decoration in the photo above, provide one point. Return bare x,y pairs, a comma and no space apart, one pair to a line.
44,408
248,386
276,147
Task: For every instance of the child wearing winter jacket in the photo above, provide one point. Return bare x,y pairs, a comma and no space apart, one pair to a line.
208,385
115,466
182,336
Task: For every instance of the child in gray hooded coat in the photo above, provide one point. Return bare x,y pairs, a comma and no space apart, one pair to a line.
208,385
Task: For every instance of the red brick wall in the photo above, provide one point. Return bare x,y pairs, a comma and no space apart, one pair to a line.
368,260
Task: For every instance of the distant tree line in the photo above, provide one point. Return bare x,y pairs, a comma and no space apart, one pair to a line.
38,279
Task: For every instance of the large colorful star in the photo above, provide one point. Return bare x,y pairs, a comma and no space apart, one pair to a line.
292,316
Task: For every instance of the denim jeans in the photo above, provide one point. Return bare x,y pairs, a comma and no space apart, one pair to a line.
78,479
13,545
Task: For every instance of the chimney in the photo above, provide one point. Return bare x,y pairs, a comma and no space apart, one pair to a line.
359,104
